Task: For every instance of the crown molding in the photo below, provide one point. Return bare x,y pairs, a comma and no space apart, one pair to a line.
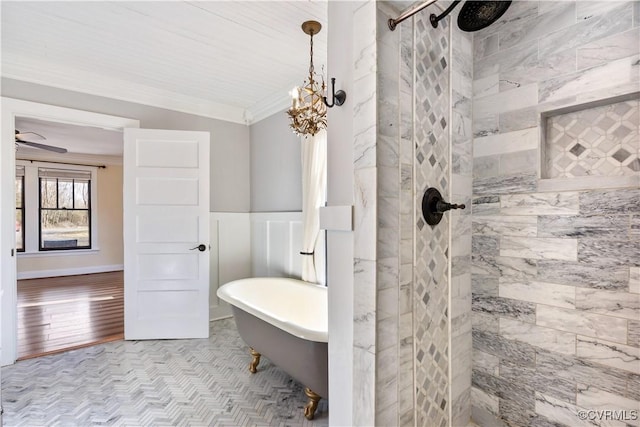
61,77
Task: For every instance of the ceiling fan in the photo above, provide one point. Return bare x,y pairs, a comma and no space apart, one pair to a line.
20,140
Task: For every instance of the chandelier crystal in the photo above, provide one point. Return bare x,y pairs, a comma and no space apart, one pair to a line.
308,112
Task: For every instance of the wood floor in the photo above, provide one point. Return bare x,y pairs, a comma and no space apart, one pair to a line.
62,313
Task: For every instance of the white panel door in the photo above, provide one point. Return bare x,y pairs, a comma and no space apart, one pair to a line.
166,219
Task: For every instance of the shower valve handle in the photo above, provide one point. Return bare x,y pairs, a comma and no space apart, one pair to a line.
433,206
442,206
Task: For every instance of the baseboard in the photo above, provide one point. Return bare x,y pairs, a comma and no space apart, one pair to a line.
69,271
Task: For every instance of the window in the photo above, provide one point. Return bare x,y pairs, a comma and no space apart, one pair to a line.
20,208
65,209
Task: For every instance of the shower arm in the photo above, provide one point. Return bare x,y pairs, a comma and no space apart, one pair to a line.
408,14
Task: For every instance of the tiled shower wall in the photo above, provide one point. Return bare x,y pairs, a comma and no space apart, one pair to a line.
423,339
555,262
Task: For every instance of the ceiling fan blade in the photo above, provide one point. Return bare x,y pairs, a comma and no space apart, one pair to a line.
21,135
42,146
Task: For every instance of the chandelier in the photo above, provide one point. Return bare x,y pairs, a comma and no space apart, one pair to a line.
308,112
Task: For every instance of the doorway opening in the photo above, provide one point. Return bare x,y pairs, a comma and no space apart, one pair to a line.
69,244
14,110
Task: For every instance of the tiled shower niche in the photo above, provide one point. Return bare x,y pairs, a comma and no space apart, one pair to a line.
595,141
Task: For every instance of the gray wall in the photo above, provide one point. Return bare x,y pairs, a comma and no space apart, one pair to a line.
555,262
230,185
276,179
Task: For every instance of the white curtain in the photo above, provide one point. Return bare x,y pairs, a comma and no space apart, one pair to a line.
314,184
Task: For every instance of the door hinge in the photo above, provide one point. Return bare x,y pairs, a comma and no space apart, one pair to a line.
13,251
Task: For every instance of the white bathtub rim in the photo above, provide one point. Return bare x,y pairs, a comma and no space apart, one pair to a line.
300,331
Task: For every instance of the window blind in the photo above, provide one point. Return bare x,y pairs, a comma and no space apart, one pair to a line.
64,174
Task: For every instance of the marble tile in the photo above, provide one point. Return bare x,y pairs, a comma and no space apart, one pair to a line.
539,292
596,251
364,310
591,397
592,9
530,30
519,119
583,275
509,142
519,162
539,248
388,416
633,336
485,123
565,203
517,352
481,417
387,377
487,245
541,382
558,411
634,280
363,387
583,371
634,231
487,166
386,333
486,362
485,206
588,183
484,286
506,60
618,304
515,268
514,414
517,183
364,41
514,99
503,225
589,324
387,273
611,74
636,14
544,68
633,387
365,213
538,336
485,46
486,86
610,202
364,131
484,322
609,353
608,49
596,226
504,389
617,20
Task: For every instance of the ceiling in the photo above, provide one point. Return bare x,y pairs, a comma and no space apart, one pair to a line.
76,139
231,60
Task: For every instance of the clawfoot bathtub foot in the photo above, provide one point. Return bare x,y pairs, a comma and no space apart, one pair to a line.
312,404
253,366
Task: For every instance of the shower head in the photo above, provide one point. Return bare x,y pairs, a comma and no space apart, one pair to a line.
474,15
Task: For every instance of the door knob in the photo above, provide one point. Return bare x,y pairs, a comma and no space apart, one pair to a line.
201,247
433,206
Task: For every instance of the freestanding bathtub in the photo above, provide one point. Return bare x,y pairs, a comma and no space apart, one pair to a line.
286,320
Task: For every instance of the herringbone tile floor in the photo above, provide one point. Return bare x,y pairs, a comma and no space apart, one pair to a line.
155,383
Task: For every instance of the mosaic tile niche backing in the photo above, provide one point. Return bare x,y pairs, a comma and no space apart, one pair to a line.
600,141
431,312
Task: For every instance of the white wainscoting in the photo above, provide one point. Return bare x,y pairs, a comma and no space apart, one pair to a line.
276,242
230,256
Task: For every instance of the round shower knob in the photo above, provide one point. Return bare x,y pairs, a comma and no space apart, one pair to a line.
433,206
